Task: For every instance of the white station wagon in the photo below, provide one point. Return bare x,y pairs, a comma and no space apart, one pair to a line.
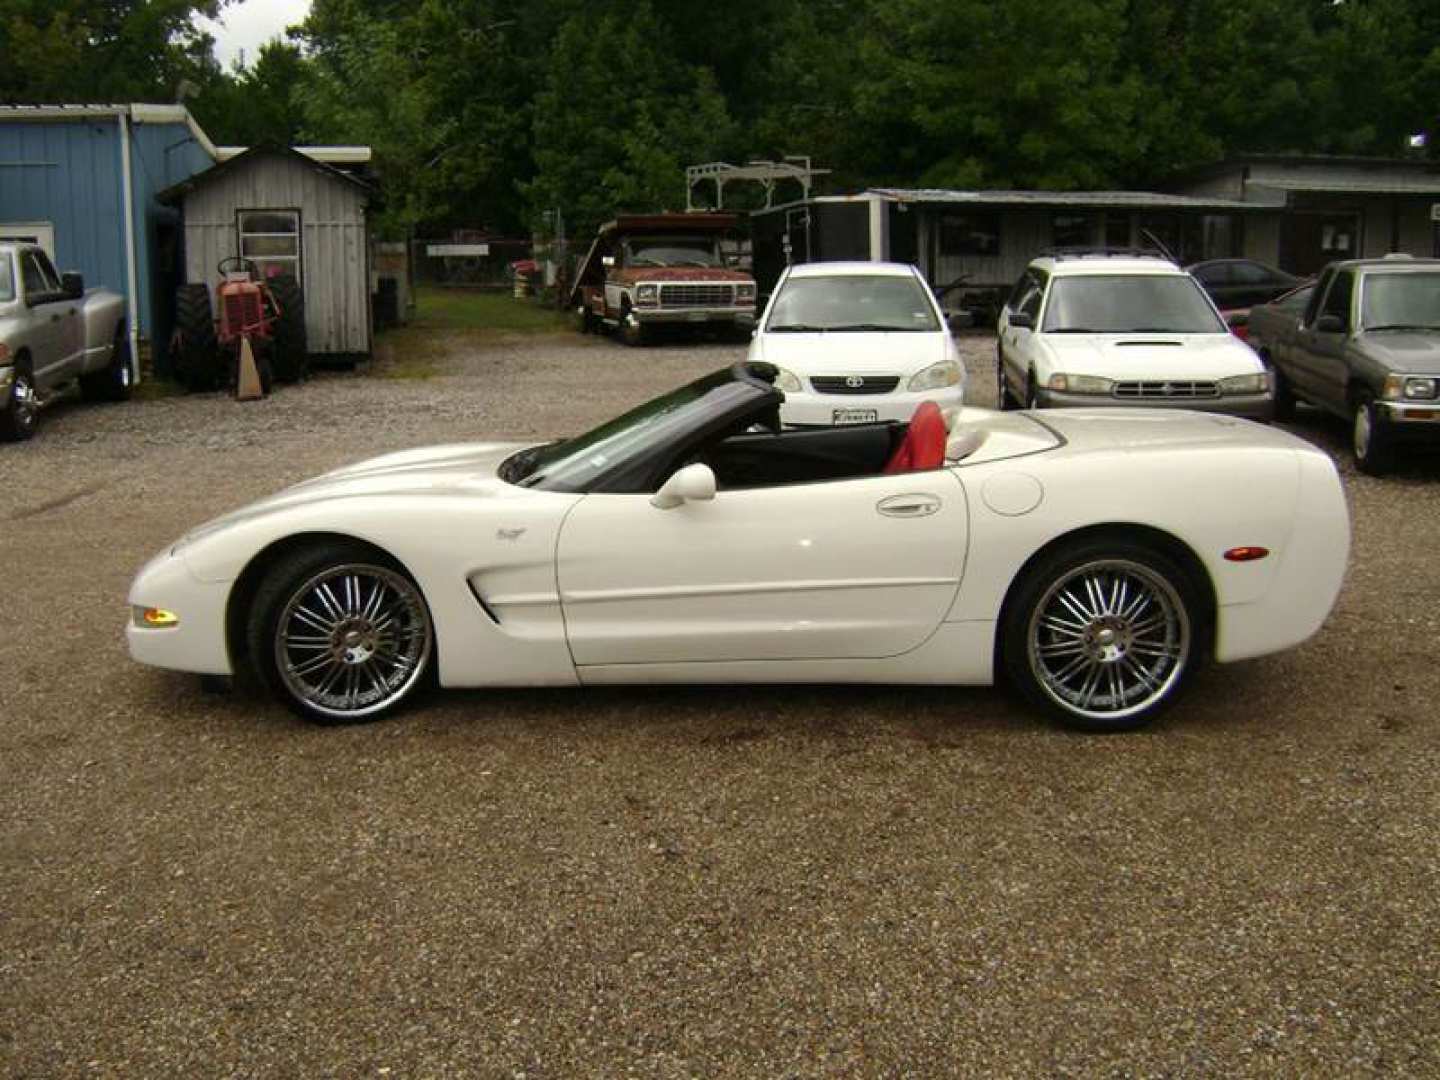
1104,329
857,343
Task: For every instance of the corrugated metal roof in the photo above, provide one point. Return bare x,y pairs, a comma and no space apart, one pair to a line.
1379,185
1125,200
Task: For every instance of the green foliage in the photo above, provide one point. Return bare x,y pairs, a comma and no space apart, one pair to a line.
495,112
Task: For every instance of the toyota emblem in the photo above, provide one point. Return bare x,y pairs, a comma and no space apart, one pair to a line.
854,382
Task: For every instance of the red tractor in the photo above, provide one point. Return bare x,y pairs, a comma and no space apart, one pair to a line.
269,311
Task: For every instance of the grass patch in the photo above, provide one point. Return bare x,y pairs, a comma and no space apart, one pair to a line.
475,309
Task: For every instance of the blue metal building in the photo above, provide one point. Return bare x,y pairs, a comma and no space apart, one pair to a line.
82,179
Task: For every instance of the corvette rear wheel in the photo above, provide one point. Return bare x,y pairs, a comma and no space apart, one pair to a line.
340,634
1102,635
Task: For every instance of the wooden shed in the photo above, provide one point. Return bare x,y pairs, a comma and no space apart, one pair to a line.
286,211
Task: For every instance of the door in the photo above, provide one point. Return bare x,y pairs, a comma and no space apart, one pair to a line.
1318,361
56,336
1017,343
849,568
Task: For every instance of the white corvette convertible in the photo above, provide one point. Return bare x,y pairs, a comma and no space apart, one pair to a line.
1094,558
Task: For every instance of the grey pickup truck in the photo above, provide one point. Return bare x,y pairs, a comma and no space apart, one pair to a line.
1366,347
55,335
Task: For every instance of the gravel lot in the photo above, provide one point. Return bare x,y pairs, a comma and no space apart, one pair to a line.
683,882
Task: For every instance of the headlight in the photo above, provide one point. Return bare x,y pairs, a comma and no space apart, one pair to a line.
1258,383
1080,384
647,294
787,381
1423,387
935,377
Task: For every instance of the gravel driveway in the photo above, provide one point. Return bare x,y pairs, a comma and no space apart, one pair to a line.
683,882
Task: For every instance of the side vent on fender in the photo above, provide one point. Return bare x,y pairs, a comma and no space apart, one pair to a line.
489,611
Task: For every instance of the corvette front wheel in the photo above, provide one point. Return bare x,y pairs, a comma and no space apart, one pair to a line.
1102,635
341,634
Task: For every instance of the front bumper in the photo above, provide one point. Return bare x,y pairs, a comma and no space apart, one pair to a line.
1247,406
1408,421
806,409
737,316
195,643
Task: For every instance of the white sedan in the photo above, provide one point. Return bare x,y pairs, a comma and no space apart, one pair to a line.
857,342
1093,557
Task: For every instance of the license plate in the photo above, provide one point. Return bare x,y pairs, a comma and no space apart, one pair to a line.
854,416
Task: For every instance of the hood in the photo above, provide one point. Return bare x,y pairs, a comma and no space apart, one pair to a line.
457,468
633,274
845,352
1136,429
1201,357
1408,352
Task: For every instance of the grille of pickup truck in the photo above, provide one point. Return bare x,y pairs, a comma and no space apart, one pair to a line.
1167,390
854,384
696,295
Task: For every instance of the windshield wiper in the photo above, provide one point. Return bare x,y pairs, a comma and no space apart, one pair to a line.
1404,326
875,326
797,328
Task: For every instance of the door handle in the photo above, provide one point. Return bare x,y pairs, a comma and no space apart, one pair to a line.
909,506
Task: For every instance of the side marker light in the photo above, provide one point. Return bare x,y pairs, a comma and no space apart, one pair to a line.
1246,554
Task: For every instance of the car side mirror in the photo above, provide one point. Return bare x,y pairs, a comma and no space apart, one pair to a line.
1022,320
1330,324
72,285
693,483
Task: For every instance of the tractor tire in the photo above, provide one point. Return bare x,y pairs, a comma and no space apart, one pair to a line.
197,359
290,355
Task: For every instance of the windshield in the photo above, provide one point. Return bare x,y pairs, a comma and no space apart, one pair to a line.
7,279
1401,301
852,302
674,251
571,464
1126,303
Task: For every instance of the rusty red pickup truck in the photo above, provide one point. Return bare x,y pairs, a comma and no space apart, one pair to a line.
645,271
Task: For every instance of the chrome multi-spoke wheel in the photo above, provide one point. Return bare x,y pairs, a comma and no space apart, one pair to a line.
347,638
1102,637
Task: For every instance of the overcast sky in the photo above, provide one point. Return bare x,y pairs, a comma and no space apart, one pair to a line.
248,24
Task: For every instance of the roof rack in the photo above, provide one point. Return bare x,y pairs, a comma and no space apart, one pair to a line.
1101,252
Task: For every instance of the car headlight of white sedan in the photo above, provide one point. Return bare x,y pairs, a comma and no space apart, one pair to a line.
1080,384
935,377
1258,383
787,382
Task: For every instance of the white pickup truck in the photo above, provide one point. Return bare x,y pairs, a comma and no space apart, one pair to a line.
55,335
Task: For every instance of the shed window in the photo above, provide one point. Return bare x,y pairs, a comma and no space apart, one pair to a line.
271,239
970,234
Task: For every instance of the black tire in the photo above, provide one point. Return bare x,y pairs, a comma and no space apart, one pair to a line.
1032,396
114,381
355,636
1108,659
1370,438
20,412
632,331
585,321
197,360
1002,394
291,356
1284,396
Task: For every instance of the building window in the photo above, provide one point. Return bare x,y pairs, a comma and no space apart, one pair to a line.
970,234
1072,230
271,240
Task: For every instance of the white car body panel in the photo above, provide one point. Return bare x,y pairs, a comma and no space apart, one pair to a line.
752,576
902,354
1121,357
796,582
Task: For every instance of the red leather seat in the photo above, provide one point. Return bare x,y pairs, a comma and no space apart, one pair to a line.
924,444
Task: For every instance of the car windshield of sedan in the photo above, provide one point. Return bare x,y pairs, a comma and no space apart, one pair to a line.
674,251
1130,303
852,302
1401,302
571,464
